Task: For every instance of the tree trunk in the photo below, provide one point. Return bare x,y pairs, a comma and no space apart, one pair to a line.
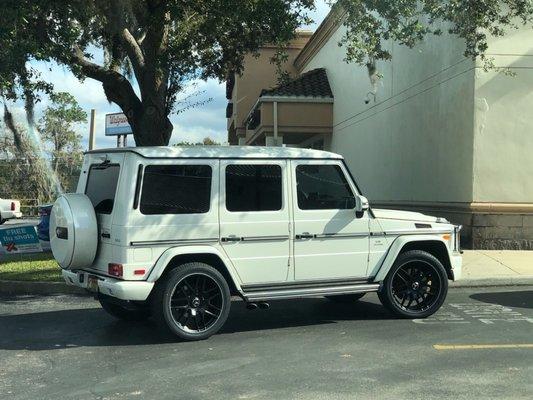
148,118
147,115
150,126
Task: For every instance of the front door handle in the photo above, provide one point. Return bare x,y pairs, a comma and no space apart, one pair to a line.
231,239
305,235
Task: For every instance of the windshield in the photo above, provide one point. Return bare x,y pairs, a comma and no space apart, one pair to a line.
102,186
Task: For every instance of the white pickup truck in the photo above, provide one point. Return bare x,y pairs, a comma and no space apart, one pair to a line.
9,209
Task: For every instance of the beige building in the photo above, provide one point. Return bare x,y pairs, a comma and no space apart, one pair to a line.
436,133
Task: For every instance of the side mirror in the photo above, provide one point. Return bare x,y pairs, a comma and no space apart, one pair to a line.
361,204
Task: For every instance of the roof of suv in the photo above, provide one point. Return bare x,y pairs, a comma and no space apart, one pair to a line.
222,152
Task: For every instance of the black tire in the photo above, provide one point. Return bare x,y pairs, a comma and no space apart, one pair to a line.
2,220
416,286
192,301
123,313
345,298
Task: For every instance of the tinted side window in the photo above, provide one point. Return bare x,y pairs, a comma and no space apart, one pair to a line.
323,187
102,186
253,187
176,189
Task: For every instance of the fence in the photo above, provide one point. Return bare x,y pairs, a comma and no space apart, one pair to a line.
29,207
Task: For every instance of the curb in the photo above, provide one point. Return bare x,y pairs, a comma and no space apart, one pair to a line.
521,280
46,288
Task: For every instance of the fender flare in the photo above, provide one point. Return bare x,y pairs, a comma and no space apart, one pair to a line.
397,246
167,256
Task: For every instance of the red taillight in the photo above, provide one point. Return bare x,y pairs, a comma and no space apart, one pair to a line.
13,206
139,272
114,269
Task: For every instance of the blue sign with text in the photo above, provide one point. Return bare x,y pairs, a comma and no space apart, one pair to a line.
22,239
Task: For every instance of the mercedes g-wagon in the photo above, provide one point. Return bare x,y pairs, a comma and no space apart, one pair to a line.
173,233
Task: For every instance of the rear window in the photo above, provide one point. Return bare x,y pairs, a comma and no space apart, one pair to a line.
176,189
102,186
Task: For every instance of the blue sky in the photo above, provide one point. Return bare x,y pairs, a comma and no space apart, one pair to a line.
192,125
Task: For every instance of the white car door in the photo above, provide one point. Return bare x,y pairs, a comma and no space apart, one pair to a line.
330,241
254,218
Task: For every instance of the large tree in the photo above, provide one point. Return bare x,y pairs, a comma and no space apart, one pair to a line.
159,44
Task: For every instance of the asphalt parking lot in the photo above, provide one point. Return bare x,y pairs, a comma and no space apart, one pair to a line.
479,345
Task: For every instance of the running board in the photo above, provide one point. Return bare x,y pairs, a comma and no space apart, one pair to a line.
292,293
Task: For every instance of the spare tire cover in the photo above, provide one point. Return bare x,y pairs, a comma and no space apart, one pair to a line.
73,231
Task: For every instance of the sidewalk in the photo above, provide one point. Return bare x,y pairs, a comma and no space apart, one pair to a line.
496,267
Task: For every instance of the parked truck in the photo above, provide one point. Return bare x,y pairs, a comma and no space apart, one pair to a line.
9,209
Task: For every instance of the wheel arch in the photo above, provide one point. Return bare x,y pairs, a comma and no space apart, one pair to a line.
174,257
428,243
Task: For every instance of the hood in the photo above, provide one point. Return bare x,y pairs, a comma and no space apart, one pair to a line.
405,215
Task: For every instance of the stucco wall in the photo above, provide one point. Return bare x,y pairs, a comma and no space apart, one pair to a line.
503,134
415,142
258,74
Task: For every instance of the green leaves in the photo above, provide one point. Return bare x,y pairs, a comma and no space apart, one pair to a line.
57,128
161,44
371,23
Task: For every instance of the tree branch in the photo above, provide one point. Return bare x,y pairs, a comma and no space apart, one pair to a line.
116,87
134,50
115,12
89,68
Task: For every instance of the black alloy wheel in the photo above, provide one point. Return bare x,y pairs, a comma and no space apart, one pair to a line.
196,303
416,285
193,301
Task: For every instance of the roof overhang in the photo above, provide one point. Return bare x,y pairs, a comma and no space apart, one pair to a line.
324,32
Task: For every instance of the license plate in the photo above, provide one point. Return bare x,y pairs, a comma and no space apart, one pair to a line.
92,283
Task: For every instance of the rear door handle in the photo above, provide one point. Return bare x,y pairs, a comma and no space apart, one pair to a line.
231,239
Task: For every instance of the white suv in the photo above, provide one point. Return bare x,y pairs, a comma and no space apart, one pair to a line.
173,233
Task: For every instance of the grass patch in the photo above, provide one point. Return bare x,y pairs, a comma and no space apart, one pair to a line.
29,267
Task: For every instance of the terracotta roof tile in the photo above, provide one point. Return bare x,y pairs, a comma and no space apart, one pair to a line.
313,83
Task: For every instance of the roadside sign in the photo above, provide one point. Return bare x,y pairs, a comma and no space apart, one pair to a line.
22,239
117,124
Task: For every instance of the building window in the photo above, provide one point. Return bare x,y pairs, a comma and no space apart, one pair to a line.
253,187
323,187
230,83
176,189
229,110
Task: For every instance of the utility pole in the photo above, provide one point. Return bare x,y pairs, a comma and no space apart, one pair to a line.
92,139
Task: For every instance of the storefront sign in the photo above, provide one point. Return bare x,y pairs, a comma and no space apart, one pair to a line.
117,124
